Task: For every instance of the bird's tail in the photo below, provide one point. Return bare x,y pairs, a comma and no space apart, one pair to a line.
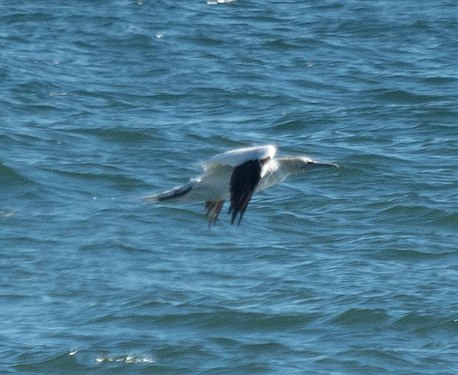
172,194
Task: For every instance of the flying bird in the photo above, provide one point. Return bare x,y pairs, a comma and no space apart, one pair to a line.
235,176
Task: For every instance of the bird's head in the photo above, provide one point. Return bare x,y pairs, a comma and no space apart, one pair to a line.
300,164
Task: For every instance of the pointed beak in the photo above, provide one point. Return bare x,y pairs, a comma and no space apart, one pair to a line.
321,164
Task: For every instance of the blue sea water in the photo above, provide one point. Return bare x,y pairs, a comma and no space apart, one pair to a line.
353,271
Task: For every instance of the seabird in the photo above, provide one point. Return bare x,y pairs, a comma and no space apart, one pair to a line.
235,176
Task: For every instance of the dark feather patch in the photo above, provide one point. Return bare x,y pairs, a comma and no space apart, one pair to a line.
243,183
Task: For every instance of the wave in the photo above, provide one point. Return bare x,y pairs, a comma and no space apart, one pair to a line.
10,177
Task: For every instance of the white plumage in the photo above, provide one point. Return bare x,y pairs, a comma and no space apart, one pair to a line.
235,175
240,156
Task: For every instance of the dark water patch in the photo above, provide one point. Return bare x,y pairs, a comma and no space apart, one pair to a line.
18,17
279,44
362,317
39,360
448,220
416,213
364,360
237,320
107,245
175,359
421,324
402,96
264,349
34,89
399,254
10,177
440,81
243,367
120,135
208,40
95,98
289,125
94,176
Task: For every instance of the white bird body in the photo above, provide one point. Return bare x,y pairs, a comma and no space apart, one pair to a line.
235,175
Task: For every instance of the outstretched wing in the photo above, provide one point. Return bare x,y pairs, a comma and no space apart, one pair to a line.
244,180
237,157
175,193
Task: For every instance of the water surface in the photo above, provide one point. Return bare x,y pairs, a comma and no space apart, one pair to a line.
338,272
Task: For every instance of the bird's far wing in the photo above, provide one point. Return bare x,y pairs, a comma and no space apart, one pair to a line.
175,193
244,180
239,156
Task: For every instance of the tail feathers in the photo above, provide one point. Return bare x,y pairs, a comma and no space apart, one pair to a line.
174,193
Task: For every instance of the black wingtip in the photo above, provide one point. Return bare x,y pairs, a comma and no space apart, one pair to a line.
244,180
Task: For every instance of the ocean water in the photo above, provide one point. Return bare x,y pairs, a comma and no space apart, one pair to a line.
353,271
